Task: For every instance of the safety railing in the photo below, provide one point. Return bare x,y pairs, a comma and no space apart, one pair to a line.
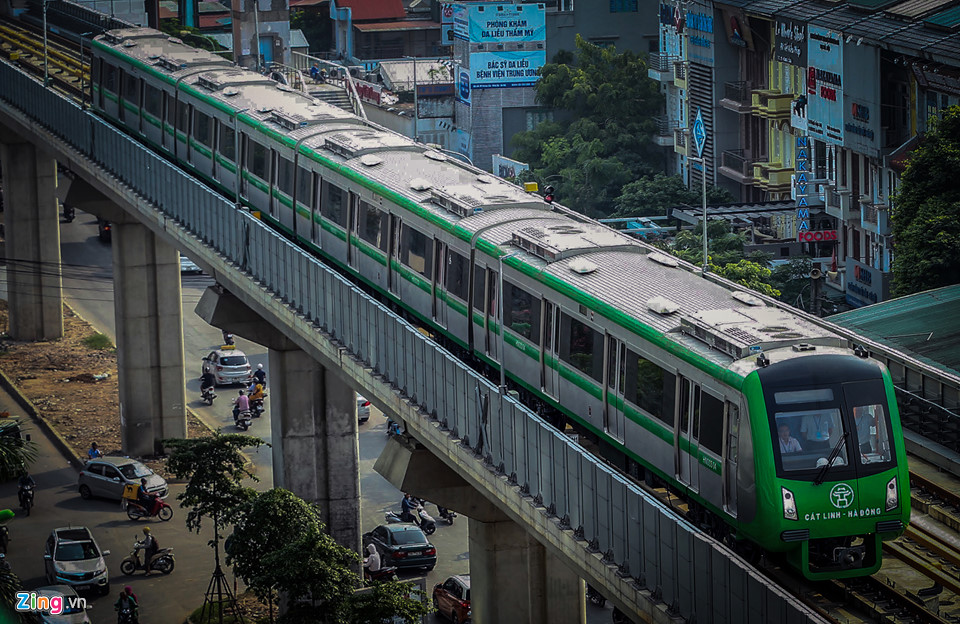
694,576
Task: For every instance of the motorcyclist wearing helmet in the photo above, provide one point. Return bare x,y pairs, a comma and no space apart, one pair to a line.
126,602
25,481
207,380
240,404
150,548
260,376
145,498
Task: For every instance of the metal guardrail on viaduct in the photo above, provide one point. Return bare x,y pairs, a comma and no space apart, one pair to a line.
609,531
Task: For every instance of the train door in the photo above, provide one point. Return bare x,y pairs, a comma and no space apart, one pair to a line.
730,458
688,422
273,203
353,217
492,330
550,353
613,418
393,274
439,283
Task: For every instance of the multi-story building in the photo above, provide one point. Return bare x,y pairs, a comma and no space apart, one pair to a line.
823,100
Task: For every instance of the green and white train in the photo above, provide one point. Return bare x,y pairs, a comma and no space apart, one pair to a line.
777,432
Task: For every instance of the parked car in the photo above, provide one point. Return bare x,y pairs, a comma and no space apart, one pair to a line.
228,365
452,598
71,613
72,557
107,476
402,546
103,230
363,408
189,266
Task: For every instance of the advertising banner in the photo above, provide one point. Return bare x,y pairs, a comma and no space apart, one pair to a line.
446,24
824,85
790,43
861,106
698,23
463,85
516,68
499,23
506,167
738,29
865,284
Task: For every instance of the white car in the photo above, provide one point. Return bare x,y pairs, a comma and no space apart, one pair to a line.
229,365
71,613
72,557
363,408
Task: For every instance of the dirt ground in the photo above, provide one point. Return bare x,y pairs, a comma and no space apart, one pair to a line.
62,378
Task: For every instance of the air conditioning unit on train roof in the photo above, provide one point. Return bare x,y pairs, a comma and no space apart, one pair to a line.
458,204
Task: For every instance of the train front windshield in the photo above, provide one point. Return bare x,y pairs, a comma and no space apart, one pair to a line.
808,427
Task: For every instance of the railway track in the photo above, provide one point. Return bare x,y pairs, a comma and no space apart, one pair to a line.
22,44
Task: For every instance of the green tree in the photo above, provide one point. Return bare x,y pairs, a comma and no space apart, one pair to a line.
316,27
750,274
655,195
605,106
926,211
791,277
16,454
725,246
387,600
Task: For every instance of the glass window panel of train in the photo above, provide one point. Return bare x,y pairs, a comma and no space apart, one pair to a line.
258,160
711,422
479,282
131,89
202,130
171,109
521,311
285,176
873,440
416,251
334,204
458,280
304,186
649,387
583,348
109,78
228,143
183,117
805,437
373,226
153,100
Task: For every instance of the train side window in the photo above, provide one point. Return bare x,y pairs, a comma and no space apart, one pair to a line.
334,206
183,117
373,226
131,89
583,348
285,176
152,100
304,186
97,68
416,251
171,109
711,422
649,387
202,130
458,280
109,78
479,283
258,160
228,143
521,311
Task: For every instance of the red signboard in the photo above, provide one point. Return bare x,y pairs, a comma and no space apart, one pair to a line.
816,236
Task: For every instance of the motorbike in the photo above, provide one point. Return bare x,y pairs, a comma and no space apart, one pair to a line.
383,574
256,407
135,510
161,562
595,597
420,517
243,420
125,615
446,514
228,339
393,428
26,498
69,213
208,395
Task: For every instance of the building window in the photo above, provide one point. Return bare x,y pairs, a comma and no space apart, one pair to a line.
623,6
565,5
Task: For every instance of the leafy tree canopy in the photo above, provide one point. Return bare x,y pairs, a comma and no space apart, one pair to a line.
655,195
606,107
926,211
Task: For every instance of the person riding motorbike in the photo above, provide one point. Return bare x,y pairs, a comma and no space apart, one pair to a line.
207,380
371,562
407,505
240,404
255,392
260,376
25,481
150,548
126,603
128,593
147,500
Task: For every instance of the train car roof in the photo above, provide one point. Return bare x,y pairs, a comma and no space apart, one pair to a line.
152,47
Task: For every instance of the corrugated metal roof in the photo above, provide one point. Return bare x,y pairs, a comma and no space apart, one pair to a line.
949,19
925,325
916,8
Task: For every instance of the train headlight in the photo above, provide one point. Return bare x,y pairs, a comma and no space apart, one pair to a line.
892,498
789,504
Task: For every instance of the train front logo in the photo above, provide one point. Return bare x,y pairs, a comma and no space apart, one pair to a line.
841,495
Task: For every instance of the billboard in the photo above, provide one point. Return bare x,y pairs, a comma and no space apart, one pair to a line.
463,85
499,23
865,284
507,167
738,29
790,43
861,104
824,85
446,24
509,68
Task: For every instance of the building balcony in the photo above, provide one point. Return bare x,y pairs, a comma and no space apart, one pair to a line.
680,74
680,141
771,104
772,177
660,67
839,203
874,217
737,97
666,129
736,166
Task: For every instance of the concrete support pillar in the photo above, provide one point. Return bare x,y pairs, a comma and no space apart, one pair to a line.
32,223
514,579
146,274
315,450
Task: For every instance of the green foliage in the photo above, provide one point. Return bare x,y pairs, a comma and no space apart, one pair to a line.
386,601
98,341
791,278
316,28
655,195
15,452
10,584
749,274
606,107
213,615
926,211
725,247
215,467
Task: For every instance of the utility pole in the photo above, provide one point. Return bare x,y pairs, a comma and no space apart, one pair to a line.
46,70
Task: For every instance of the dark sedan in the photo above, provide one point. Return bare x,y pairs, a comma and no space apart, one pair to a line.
402,546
